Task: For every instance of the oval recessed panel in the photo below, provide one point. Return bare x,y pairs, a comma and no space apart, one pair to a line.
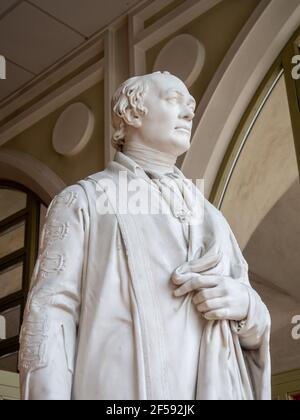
73,130
183,56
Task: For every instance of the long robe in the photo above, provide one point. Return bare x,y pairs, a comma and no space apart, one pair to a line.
101,321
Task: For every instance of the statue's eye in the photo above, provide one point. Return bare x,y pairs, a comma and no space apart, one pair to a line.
173,99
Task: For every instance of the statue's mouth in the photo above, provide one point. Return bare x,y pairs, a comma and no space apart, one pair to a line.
184,129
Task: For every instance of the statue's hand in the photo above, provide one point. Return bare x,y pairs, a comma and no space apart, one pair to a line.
217,297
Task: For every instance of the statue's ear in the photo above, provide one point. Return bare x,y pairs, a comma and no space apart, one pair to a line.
131,118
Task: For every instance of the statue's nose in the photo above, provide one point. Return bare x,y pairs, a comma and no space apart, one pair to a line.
188,114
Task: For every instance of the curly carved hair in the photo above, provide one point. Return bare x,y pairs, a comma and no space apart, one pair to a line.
129,96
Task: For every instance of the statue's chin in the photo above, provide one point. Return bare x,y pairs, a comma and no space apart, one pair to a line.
182,147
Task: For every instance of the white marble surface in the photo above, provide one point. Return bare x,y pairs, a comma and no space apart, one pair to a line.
153,294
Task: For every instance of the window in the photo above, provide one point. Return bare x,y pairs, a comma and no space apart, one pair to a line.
20,212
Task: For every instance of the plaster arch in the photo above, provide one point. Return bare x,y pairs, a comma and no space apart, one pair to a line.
26,170
233,86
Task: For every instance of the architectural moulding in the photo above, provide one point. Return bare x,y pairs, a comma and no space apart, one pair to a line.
79,59
73,129
243,69
30,172
109,88
81,69
142,39
191,62
55,99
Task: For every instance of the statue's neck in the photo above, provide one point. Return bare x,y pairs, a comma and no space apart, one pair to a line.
150,159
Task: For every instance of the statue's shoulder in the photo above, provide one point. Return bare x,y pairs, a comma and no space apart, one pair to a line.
98,176
94,183
80,192
70,197
212,208
85,188
107,177
214,214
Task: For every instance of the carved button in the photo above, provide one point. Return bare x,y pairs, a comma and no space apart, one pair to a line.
182,215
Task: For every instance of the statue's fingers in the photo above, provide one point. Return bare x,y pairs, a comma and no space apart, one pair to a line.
206,294
217,315
211,305
179,279
206,282
205,263
194,284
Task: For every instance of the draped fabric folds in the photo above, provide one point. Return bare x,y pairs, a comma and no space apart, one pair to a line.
102,321
226,371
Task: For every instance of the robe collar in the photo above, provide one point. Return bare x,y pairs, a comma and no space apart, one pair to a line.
136,169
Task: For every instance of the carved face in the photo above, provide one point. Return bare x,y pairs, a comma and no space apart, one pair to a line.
167,125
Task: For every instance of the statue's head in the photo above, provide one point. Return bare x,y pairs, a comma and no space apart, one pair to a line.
156,110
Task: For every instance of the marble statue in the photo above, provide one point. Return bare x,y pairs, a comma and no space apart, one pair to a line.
149,305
